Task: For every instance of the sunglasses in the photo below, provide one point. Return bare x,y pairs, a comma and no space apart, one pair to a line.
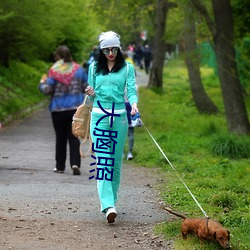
106,51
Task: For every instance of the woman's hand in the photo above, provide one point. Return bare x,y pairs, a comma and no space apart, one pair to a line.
134,109
90,91
43,79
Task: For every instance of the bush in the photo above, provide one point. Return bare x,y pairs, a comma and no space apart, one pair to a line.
19,88
231,146
223,200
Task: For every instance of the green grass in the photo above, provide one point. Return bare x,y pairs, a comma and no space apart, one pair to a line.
214,164
19,88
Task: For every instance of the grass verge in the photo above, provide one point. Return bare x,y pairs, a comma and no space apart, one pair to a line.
214,164
19,89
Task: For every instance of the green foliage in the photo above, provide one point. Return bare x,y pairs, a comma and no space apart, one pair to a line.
219,183
170,230
243,59
241,17
224,200
29,33
19,87
128,18
175,25
175,28
231,146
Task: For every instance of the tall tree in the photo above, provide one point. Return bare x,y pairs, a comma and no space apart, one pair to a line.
201,99
125,17
159,44
242,33
223,38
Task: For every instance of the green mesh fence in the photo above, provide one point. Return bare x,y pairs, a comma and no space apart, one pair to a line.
208,58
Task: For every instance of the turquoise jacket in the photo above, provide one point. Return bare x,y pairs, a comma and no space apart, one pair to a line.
111,88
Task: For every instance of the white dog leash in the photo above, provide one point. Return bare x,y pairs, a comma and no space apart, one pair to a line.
174,170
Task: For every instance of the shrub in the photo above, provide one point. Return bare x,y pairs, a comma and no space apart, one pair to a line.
231,146
223,200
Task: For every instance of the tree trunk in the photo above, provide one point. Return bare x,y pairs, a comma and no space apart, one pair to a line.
201,99
223,38
235,109
159,47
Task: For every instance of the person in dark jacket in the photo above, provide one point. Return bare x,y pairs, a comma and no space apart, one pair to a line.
147,54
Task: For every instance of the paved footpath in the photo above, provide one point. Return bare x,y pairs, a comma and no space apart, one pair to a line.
40,209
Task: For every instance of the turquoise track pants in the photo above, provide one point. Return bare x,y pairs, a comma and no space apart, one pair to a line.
108,189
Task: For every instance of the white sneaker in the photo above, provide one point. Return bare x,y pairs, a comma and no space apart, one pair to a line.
129,156
111,214
58,171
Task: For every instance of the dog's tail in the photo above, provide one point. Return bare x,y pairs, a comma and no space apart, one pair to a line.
175,213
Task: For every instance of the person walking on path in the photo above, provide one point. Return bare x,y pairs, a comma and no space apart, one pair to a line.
131,129
147,54
108,78
65,84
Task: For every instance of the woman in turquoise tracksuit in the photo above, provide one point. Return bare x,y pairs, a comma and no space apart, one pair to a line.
108,77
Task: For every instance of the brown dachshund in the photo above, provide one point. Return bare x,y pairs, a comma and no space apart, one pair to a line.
204,229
